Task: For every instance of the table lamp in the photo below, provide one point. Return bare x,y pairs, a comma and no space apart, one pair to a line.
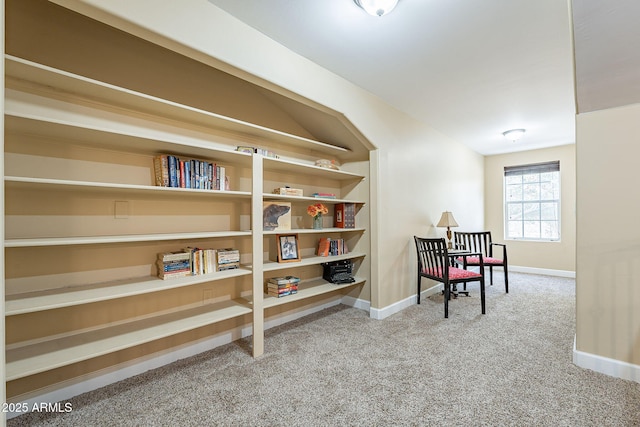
447,220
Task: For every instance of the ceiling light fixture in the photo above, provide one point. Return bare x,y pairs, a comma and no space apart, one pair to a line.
377,7
514,134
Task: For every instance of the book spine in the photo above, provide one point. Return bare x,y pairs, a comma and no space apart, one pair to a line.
229,266
173,256
161,170
205,176
350,215
339,215
187,174
173,171
183,182
223,178
174,267
174,275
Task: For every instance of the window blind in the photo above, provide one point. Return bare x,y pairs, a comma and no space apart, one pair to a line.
533,168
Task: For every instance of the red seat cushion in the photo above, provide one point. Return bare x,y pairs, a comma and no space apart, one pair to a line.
474,260
454,273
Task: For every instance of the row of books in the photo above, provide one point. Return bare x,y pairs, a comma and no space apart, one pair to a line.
282,286
330,247
257,150
195,261
171,171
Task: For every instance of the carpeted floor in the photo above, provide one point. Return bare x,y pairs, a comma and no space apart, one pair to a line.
510,367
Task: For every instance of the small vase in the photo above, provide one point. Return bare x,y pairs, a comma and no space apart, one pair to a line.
317,222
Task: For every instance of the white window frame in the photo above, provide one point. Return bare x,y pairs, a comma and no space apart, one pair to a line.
532,169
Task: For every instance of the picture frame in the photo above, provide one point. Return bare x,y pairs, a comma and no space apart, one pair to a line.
276,216
288,248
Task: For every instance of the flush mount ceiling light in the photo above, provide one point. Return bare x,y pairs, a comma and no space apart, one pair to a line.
514,134
377,7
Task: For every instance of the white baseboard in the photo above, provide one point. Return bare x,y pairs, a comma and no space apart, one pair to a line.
383,313
60,392
604,365
356,303
543,271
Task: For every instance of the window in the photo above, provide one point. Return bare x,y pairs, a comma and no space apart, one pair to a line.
532,201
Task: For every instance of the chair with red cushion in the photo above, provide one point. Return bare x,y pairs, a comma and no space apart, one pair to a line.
480,241
434,264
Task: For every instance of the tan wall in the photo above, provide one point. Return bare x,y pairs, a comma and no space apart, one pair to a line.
418,177
538,255
608,249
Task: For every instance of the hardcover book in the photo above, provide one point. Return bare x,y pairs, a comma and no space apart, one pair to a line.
345,215
323,246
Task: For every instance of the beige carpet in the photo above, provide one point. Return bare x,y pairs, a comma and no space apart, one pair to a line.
510,367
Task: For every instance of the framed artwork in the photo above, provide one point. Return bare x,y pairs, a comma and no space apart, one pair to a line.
276,216
288,249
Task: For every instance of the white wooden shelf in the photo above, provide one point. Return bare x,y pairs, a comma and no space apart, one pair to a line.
79,133
18,69
315,231
58,298
61,184
306,261
127,238
288,166
309,289
44,356
328,201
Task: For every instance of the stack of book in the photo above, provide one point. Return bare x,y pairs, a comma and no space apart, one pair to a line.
282,286
330,247
228,259
174,264
171,171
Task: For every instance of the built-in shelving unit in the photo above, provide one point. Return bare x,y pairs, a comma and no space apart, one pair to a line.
58,126
85,222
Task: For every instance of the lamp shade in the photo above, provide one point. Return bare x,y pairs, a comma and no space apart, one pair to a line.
447,220
377,7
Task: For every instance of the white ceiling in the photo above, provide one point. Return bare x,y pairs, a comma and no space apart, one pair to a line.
469,68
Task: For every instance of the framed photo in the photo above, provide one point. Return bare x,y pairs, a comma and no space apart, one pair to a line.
288,249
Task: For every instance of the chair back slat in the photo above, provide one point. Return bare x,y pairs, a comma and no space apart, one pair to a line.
432,256
474,242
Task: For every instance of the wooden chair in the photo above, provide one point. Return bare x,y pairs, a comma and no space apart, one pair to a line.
434,264
480,241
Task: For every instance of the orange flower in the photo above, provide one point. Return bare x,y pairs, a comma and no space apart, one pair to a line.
316,209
